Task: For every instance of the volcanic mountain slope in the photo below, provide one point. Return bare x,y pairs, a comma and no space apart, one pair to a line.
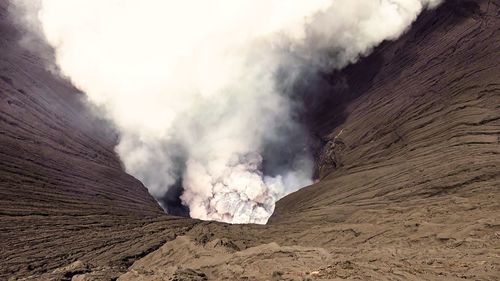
63,192
409,189
410,171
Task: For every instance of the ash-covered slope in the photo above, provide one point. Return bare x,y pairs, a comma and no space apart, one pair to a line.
62,188
409,171
423,118
50,142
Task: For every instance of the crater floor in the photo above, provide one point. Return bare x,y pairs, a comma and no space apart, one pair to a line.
409,189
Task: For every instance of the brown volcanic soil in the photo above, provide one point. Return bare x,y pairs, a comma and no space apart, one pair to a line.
409,189
63,192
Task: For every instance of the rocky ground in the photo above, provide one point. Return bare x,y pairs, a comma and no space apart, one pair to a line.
409,174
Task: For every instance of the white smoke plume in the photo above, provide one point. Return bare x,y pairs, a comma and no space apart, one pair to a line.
192,85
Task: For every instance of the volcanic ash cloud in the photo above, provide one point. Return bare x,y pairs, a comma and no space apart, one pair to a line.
192,85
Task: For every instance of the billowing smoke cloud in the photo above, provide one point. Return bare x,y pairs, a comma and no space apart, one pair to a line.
199,90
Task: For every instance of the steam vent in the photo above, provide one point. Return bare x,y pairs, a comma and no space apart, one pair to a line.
249,140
